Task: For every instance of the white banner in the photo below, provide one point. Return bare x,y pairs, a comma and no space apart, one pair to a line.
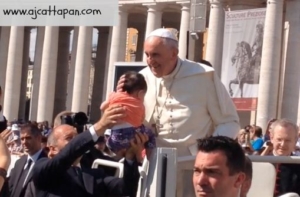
242,48
59,13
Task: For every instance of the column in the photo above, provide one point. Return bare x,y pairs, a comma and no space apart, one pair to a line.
25,64
106,76
4,41
99,73
118,46
292,69
62,71
214,48
270,65
140,43
196,48
40,34
13,73
82,70
184,28
154,19
72,68
48,75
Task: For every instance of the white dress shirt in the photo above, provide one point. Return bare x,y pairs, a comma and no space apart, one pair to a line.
33,158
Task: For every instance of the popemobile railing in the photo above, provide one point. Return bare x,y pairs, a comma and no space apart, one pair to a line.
159,177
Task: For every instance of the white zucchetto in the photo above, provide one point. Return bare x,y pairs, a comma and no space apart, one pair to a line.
163,33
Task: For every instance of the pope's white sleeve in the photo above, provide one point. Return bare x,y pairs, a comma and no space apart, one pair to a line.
226,122
229,129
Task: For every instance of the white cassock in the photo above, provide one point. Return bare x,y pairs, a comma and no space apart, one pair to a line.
188,104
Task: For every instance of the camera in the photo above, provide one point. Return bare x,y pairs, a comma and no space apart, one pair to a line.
77,120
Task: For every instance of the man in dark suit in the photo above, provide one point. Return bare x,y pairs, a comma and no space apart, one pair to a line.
88,158
21,174
62,175
284,135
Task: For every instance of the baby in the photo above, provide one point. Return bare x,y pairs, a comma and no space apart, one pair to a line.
132,98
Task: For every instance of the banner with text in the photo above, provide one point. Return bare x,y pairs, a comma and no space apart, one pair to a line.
242,50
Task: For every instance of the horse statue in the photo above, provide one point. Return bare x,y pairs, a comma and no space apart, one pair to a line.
247,66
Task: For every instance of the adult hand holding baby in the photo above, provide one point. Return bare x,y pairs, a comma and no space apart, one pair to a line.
120,84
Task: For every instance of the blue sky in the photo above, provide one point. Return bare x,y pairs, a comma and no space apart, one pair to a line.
33,40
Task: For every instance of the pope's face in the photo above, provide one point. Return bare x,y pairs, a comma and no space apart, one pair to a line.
160,58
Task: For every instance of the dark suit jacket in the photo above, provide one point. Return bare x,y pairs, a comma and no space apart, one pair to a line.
15,188
288,179
56,178
89,157
3,124
30,190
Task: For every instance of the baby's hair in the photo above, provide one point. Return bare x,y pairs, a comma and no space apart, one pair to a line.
134,82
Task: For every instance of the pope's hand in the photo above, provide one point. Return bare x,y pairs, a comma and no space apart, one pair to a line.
121,84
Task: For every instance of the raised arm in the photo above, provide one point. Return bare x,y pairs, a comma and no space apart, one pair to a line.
4,161
46,171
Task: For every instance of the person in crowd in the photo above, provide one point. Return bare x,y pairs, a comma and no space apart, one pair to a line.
15,131
9,125
284,135
14,141
297,148
21,174
62,176
131,97
97,152
219,168
45,129
241,139
6,134
40,126
185,101
102,146
44,144
268,130
256,138
244,140
15,146
58,117
3,121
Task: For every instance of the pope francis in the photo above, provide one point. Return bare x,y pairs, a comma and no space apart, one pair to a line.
185,101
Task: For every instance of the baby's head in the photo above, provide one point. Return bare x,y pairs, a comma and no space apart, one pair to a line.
135,84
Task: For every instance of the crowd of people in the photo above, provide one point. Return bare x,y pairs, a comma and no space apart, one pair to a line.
281,138
171,103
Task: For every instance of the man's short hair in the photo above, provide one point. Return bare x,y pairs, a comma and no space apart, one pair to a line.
51,141
248,168
257,131
285,123
32,128
231,149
